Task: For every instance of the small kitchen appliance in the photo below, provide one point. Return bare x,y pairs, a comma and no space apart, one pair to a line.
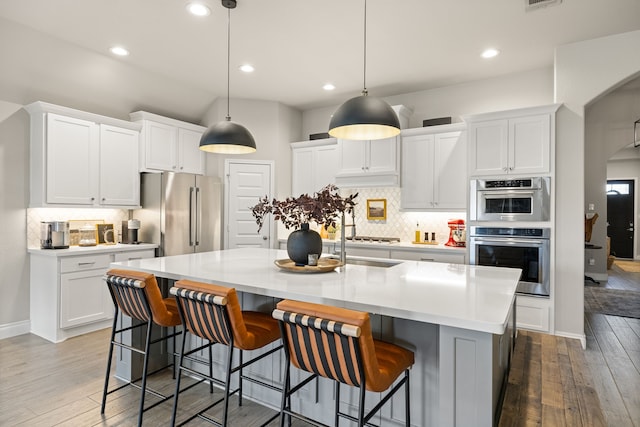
54,235
457,233
521,199
130,231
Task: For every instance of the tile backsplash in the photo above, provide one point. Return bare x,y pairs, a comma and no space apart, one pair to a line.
36,215
398,224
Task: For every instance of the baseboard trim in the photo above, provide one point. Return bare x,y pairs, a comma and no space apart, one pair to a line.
581,337
9,330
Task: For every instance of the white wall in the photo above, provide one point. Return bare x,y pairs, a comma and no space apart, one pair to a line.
584,71
520,90
14,197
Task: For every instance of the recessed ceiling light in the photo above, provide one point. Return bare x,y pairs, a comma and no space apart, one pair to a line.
490,53
119,50
198,9
247,68
328,86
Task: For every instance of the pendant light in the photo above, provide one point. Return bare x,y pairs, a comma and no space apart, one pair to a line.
364,117
227,137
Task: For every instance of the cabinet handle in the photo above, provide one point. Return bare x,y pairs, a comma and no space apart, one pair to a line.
104,199
82,264
135,257
181,167
93,198
427,259
362,168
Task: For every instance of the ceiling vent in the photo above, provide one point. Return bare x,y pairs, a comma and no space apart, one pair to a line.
536,4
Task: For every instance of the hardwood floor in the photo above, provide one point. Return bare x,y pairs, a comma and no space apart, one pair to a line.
553,382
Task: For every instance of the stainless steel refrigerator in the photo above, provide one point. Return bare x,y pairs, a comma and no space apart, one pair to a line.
180,212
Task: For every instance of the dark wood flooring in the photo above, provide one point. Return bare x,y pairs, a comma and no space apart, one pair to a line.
553,382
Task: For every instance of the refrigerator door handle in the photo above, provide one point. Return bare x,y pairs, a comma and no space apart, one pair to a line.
198,215
191,216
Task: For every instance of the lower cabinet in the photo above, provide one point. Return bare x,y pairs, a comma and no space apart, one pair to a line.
433,256
68,296
533,313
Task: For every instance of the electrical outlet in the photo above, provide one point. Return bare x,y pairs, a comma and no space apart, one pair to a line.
592,207
592,261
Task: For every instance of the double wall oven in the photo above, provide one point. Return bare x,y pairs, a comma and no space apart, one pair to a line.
503,231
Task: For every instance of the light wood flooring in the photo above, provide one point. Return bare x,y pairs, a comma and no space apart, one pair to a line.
553,382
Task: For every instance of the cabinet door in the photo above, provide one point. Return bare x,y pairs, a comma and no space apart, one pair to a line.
119,177
450,171
529,144
72,160
382,156
325,166
417,172
352,157
488,147
160,146
190,158
84,298
302,171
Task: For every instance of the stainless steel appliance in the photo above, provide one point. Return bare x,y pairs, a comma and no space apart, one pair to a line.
524,248
180,212
54,235
521,199
130,231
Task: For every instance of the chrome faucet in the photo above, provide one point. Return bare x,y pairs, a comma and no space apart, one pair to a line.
343,252
352,225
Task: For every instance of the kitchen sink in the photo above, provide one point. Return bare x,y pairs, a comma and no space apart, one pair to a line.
370,262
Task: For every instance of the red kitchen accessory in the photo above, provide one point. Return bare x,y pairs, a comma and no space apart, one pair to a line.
457,233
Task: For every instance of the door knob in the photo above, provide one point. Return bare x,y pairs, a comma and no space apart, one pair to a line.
264,237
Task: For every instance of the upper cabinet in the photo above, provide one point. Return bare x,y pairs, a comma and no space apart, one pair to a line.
434,169
169,145
82,159
512,142
314,165
373,163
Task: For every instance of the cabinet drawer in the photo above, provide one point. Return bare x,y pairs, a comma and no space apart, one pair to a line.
80,263
131,255
429,256
530,315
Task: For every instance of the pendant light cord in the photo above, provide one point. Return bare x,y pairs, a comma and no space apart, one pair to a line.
228,59
364,73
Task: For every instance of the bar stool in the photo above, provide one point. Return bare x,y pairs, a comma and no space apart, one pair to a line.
138,296
213,312
337,343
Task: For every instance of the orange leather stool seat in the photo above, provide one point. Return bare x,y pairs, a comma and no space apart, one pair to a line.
337,343
213,312
137,295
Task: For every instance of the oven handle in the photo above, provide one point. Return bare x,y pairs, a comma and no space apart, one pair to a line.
498,194
510,241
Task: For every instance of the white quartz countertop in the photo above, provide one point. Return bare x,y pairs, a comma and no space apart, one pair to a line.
88,250
470,297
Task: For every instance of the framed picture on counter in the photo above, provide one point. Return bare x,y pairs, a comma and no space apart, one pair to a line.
377,209
106,234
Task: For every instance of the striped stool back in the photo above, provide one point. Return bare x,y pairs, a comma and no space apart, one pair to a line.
325,347
129,295
204,314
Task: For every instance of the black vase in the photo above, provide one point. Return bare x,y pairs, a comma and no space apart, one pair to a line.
303,242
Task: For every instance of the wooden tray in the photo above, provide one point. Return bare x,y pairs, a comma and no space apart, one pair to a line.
324,265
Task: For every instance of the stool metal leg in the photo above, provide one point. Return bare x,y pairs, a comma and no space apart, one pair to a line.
337,387
145,368
177,393
406,399
227,385
106,379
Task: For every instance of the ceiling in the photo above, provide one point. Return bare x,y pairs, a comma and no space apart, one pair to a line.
57,51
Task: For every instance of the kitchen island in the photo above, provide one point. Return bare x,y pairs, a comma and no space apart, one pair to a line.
458,319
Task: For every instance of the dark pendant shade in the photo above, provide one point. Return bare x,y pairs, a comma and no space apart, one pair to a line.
227,137
364,118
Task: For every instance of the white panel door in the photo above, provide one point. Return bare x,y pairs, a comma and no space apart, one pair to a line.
247,182
302,171
529,144
450,171
488,147
160,140
325,166
72,160
190,157
383,156
119,177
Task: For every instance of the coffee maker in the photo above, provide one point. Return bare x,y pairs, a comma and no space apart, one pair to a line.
130,231
54,235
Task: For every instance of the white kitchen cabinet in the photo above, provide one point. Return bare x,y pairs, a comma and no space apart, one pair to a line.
373,163
314,165
457,257
512,142
534,313
82,159
68,296
169,145
434,171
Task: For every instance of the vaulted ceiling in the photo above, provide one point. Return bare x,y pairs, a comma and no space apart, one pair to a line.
59,50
